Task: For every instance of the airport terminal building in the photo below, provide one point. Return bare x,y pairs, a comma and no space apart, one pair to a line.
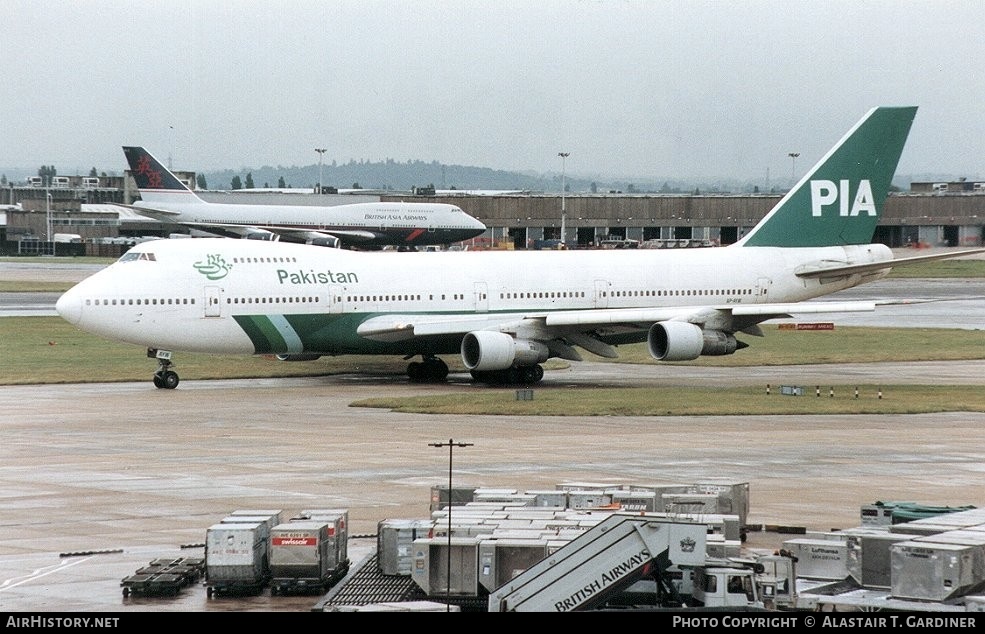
95,219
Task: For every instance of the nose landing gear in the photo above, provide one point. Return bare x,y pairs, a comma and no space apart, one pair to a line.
165,377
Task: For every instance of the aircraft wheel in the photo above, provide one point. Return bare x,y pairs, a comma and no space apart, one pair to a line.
528,374
436,370
415,372
158,380
170,380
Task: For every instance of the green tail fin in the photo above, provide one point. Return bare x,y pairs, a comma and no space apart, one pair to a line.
840,200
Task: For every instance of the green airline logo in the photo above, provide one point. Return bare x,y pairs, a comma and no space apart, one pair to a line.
214,267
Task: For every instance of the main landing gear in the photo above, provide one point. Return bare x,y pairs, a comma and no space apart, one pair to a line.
165,378
523,375
431,370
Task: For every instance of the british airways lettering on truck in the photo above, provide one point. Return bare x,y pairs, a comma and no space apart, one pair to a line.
362,225
506,312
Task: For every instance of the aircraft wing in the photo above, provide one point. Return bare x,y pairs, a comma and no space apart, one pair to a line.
346,236
585,328
265,232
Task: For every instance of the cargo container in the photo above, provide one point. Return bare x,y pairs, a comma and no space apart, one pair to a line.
236,558
304,557
819,558
926,571
502,559
869,555
271,516
550,499
441,497
634,500
265,523
446,567
733,497
395,543
689,503
588,499
878,514
338,532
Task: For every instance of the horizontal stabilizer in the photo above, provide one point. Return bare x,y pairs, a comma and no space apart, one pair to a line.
805,308
850,269
155,214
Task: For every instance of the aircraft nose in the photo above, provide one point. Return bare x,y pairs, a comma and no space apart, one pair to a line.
69,306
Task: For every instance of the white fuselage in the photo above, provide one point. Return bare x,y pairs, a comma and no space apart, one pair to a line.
221,296
398,223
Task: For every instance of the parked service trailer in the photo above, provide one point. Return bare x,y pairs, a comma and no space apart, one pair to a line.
236,559
303,558
163,577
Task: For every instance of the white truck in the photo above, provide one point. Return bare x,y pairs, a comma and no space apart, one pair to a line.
771,583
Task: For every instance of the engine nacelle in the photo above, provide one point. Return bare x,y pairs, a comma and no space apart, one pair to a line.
488,350
269,236
327,241
681,341
306,356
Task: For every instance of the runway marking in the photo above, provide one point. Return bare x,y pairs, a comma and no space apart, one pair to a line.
39,573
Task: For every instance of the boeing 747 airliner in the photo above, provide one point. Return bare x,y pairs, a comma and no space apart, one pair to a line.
363,225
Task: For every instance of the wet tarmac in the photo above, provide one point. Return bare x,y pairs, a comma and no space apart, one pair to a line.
96,480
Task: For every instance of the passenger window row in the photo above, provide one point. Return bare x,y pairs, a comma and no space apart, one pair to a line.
140,302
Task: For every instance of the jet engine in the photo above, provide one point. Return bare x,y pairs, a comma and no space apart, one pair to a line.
326,241
681,341
484,350
269,236
306,356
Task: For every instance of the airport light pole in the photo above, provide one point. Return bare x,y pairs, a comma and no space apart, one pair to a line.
451,444
563,156
793,167
321,152
47,216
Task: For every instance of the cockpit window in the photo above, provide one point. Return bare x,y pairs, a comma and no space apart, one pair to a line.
130,256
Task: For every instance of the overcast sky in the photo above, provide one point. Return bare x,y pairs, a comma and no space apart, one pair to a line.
634,88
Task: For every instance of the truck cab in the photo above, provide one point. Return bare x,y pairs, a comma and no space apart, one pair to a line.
725,587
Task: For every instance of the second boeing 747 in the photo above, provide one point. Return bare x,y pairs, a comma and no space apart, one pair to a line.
362,225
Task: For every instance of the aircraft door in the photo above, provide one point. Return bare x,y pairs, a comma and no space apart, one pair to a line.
601,294
213,301
481,297
762,289
335,298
